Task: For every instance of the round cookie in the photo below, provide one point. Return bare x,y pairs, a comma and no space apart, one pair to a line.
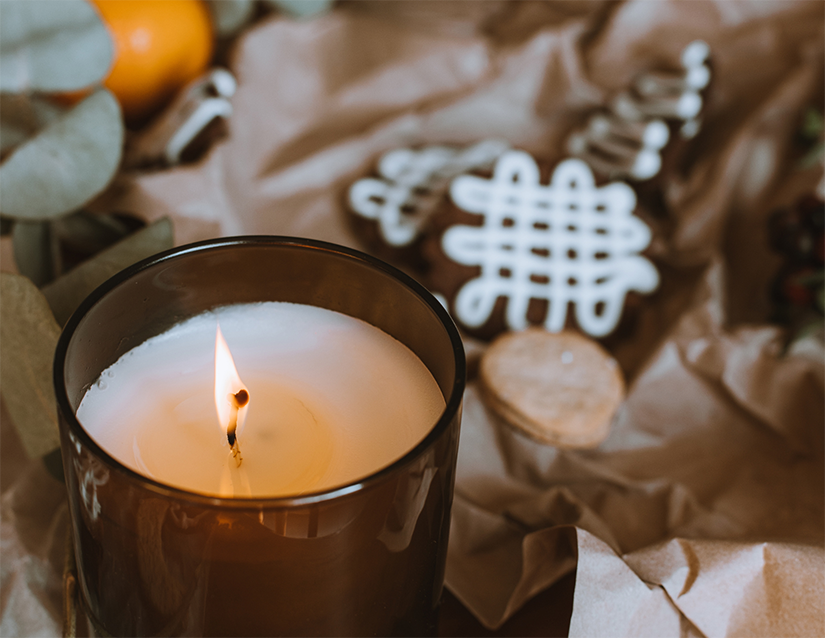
519,248
559,388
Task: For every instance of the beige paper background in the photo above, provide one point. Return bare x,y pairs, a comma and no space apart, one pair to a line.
703,513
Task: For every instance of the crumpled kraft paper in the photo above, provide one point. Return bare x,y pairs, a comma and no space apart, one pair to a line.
703,513
699,588
689,458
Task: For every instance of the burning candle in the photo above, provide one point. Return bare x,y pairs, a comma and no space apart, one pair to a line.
345,401
326,399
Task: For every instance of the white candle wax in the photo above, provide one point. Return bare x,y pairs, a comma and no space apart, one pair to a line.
332,400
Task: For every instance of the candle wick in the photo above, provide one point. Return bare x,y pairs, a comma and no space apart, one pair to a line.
233,440
236,453
238,400
241,398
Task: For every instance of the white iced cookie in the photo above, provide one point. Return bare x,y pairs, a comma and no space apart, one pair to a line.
569,243
562,389
411,185
627,140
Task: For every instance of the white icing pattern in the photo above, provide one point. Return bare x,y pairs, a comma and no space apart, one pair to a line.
567,243
627,140
412,185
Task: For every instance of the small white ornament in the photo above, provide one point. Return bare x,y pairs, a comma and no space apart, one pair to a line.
412,184
568,243
621,147
626,141
203,101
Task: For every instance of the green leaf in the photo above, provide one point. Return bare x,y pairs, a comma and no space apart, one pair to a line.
89,233
67,163
34,252
28,337
302,8
52,45
65,293
229,16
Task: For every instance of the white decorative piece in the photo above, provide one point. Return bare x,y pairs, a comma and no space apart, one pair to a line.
567,243
203,101
627,140
675,96
619,147
412,184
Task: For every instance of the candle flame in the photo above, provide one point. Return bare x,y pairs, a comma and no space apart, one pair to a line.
231,395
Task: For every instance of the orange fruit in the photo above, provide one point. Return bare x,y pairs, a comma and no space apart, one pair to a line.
160,45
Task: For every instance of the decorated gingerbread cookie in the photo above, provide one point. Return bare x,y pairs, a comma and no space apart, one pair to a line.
559,388
515,252
627,140
391,211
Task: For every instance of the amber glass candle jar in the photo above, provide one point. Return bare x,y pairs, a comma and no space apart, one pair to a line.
366,558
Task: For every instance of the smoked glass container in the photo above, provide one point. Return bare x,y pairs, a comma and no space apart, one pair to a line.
363,559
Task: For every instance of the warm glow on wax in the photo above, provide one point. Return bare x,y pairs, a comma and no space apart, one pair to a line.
325,399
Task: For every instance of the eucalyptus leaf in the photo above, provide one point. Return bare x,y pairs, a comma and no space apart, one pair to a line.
28,337
46,111
33,251
67,163
229,16
65,293
302,8
89,233
52,45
